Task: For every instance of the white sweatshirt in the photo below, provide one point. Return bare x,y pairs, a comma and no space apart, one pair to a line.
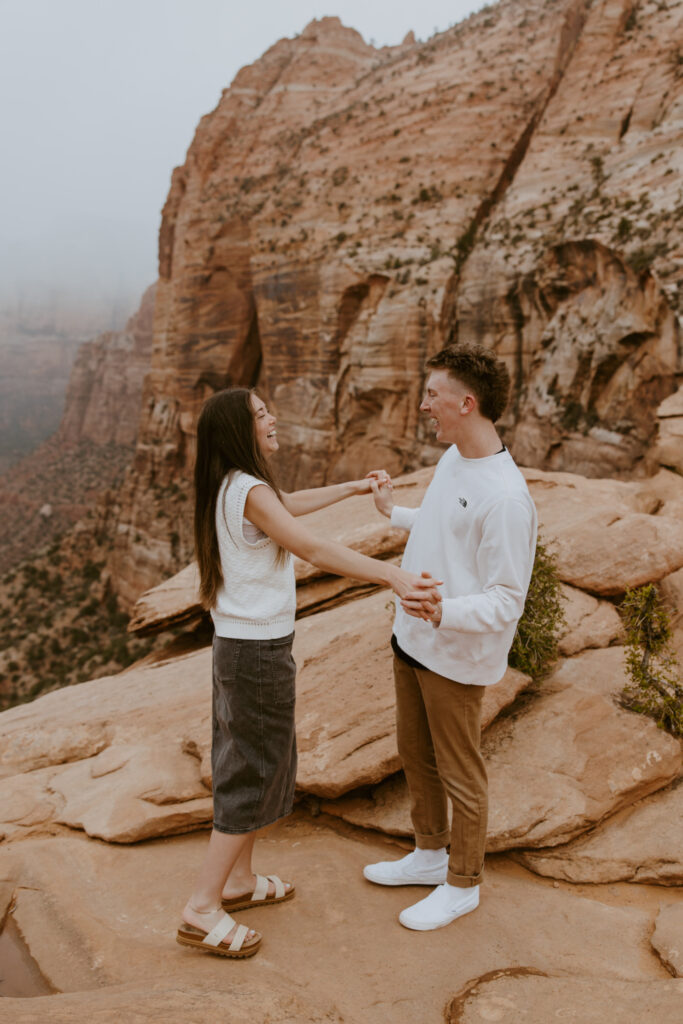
476,531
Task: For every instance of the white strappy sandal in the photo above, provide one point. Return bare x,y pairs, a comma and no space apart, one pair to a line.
212,942
260,897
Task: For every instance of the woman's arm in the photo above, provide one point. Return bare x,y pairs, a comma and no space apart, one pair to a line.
265,511
298,503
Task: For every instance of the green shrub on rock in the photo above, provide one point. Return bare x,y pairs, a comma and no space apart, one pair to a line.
534,648
655,686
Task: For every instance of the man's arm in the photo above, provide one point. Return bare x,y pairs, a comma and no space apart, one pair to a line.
400,516
503,559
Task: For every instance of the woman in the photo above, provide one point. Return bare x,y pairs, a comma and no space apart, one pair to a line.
245,532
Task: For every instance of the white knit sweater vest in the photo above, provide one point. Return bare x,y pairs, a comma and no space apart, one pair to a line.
257,600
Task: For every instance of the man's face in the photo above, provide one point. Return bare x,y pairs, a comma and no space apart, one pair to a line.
447,401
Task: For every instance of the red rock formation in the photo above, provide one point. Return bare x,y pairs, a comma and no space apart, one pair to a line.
344,211
105,387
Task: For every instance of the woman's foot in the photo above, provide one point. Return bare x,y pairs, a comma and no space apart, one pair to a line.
254,890
206,921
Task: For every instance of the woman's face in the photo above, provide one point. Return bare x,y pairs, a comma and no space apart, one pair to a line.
264,426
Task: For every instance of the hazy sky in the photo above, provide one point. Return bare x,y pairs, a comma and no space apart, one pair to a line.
99,100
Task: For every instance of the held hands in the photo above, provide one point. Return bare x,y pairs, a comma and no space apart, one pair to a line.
376,476
381,486
423,604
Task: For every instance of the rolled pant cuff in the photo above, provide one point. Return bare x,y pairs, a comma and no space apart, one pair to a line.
464,881
436,842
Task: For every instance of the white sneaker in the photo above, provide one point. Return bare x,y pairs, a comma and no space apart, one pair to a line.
440,908
406,872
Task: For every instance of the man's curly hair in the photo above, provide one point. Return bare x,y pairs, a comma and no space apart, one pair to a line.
481,371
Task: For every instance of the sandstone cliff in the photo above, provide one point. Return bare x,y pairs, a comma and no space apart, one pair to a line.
105,387
344,211
39,338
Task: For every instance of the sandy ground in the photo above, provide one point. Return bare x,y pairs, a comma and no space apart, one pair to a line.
96,915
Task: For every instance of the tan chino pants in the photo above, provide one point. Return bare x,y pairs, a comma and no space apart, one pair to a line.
438,724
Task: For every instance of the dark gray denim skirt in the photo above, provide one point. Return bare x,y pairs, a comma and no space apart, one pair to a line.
253,752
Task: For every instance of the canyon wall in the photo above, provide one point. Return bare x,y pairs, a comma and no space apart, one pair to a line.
345,211
104,393
41,331
49,490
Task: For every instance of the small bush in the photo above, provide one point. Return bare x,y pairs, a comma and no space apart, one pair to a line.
534,648
655,688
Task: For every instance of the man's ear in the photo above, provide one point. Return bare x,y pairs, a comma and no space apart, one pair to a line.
469,403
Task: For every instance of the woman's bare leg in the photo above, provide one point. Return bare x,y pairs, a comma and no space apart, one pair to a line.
203,909
242,879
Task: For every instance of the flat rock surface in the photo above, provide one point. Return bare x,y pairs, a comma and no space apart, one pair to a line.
643,843
511,996
100,921
172,1003
667,938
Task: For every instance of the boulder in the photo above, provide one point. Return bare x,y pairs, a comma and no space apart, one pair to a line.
607,552
590,622
643,843
598,671
667,939
668,449
564,500
655,491
508,996
556,769
609,534
128,757
134,775
345,712
671,589
134,792
41,745
171,603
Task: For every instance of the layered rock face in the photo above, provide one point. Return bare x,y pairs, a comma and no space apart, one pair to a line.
39,338
345,211
105,387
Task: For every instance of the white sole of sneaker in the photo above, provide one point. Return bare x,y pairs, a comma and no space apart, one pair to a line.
417,925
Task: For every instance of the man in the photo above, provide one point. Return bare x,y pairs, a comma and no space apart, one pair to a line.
476,531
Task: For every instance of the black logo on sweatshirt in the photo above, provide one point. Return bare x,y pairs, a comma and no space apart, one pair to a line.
463,502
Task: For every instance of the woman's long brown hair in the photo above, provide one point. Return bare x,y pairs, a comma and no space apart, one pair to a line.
226,439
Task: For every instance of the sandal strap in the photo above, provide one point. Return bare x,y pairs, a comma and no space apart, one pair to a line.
220,930
261,889
240,936
279,886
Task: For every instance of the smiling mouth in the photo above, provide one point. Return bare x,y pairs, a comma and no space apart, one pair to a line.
273,433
